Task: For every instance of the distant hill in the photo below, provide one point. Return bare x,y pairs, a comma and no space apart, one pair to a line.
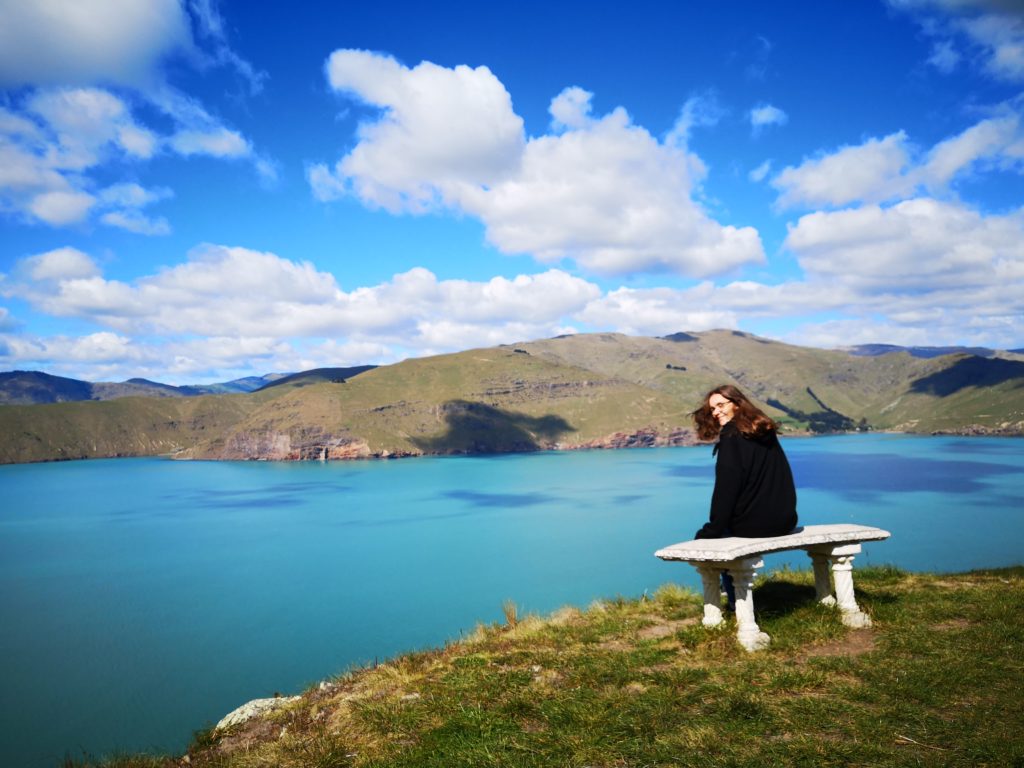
871,350
316,375
35,387
578,391
29,387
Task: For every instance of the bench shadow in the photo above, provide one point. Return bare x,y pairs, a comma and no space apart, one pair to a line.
778,598
474,427
774,599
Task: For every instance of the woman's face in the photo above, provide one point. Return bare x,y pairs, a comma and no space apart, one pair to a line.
722,408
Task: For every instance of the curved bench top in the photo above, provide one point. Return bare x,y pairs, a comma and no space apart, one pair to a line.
734,547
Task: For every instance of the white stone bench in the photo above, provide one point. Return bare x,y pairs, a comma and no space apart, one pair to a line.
742,558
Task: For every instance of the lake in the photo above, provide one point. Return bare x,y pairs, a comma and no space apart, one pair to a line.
143,599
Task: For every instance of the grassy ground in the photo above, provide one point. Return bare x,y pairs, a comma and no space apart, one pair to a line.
938,681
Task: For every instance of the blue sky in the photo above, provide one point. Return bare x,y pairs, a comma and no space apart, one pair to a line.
193,190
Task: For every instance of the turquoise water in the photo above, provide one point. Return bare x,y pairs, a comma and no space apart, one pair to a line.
142,599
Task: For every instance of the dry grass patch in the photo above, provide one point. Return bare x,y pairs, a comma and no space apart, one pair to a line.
854,643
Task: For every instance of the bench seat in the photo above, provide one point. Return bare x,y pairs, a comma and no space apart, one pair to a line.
834,545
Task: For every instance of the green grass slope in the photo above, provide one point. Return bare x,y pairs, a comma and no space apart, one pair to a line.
488,400
130,426
936,682
807,388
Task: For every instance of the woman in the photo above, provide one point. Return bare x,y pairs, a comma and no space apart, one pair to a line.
754,493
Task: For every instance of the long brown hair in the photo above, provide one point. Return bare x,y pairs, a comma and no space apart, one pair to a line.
748,418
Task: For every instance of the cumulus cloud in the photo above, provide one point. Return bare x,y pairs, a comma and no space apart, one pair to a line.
439,129
221,290
599,190
764,115
874,170
46,153
891,168
922,271
57,265
615,200
657,311
63,138
919,271
916,244
571,109
85,69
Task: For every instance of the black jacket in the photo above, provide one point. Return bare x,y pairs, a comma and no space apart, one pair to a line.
754,492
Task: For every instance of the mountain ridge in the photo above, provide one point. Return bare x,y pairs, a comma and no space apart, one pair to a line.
38,387
571,392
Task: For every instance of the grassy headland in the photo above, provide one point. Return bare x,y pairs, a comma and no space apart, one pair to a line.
938,681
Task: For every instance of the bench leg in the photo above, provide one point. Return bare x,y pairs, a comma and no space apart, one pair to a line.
842,571
712,597
822,583
748,633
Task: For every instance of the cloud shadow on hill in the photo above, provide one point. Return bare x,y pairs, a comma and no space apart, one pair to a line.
970,372
480,428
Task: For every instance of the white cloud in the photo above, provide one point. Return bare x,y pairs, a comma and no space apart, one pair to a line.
993,139
227,309
119,41
914,245
132,195
872,171
61,207
923,271
56,265
211,29
440,129
571,109
656,312
62,132
66,136
920,271
222,290
219,142
881,170
699,111
613,199
600,191
1001,35
137,222
85,121
761,172
766,114
992,30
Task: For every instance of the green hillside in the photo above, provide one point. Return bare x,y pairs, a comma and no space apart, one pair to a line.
587,390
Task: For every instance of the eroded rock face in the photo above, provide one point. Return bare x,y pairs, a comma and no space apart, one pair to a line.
305,445
315,444
649,437
254,708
